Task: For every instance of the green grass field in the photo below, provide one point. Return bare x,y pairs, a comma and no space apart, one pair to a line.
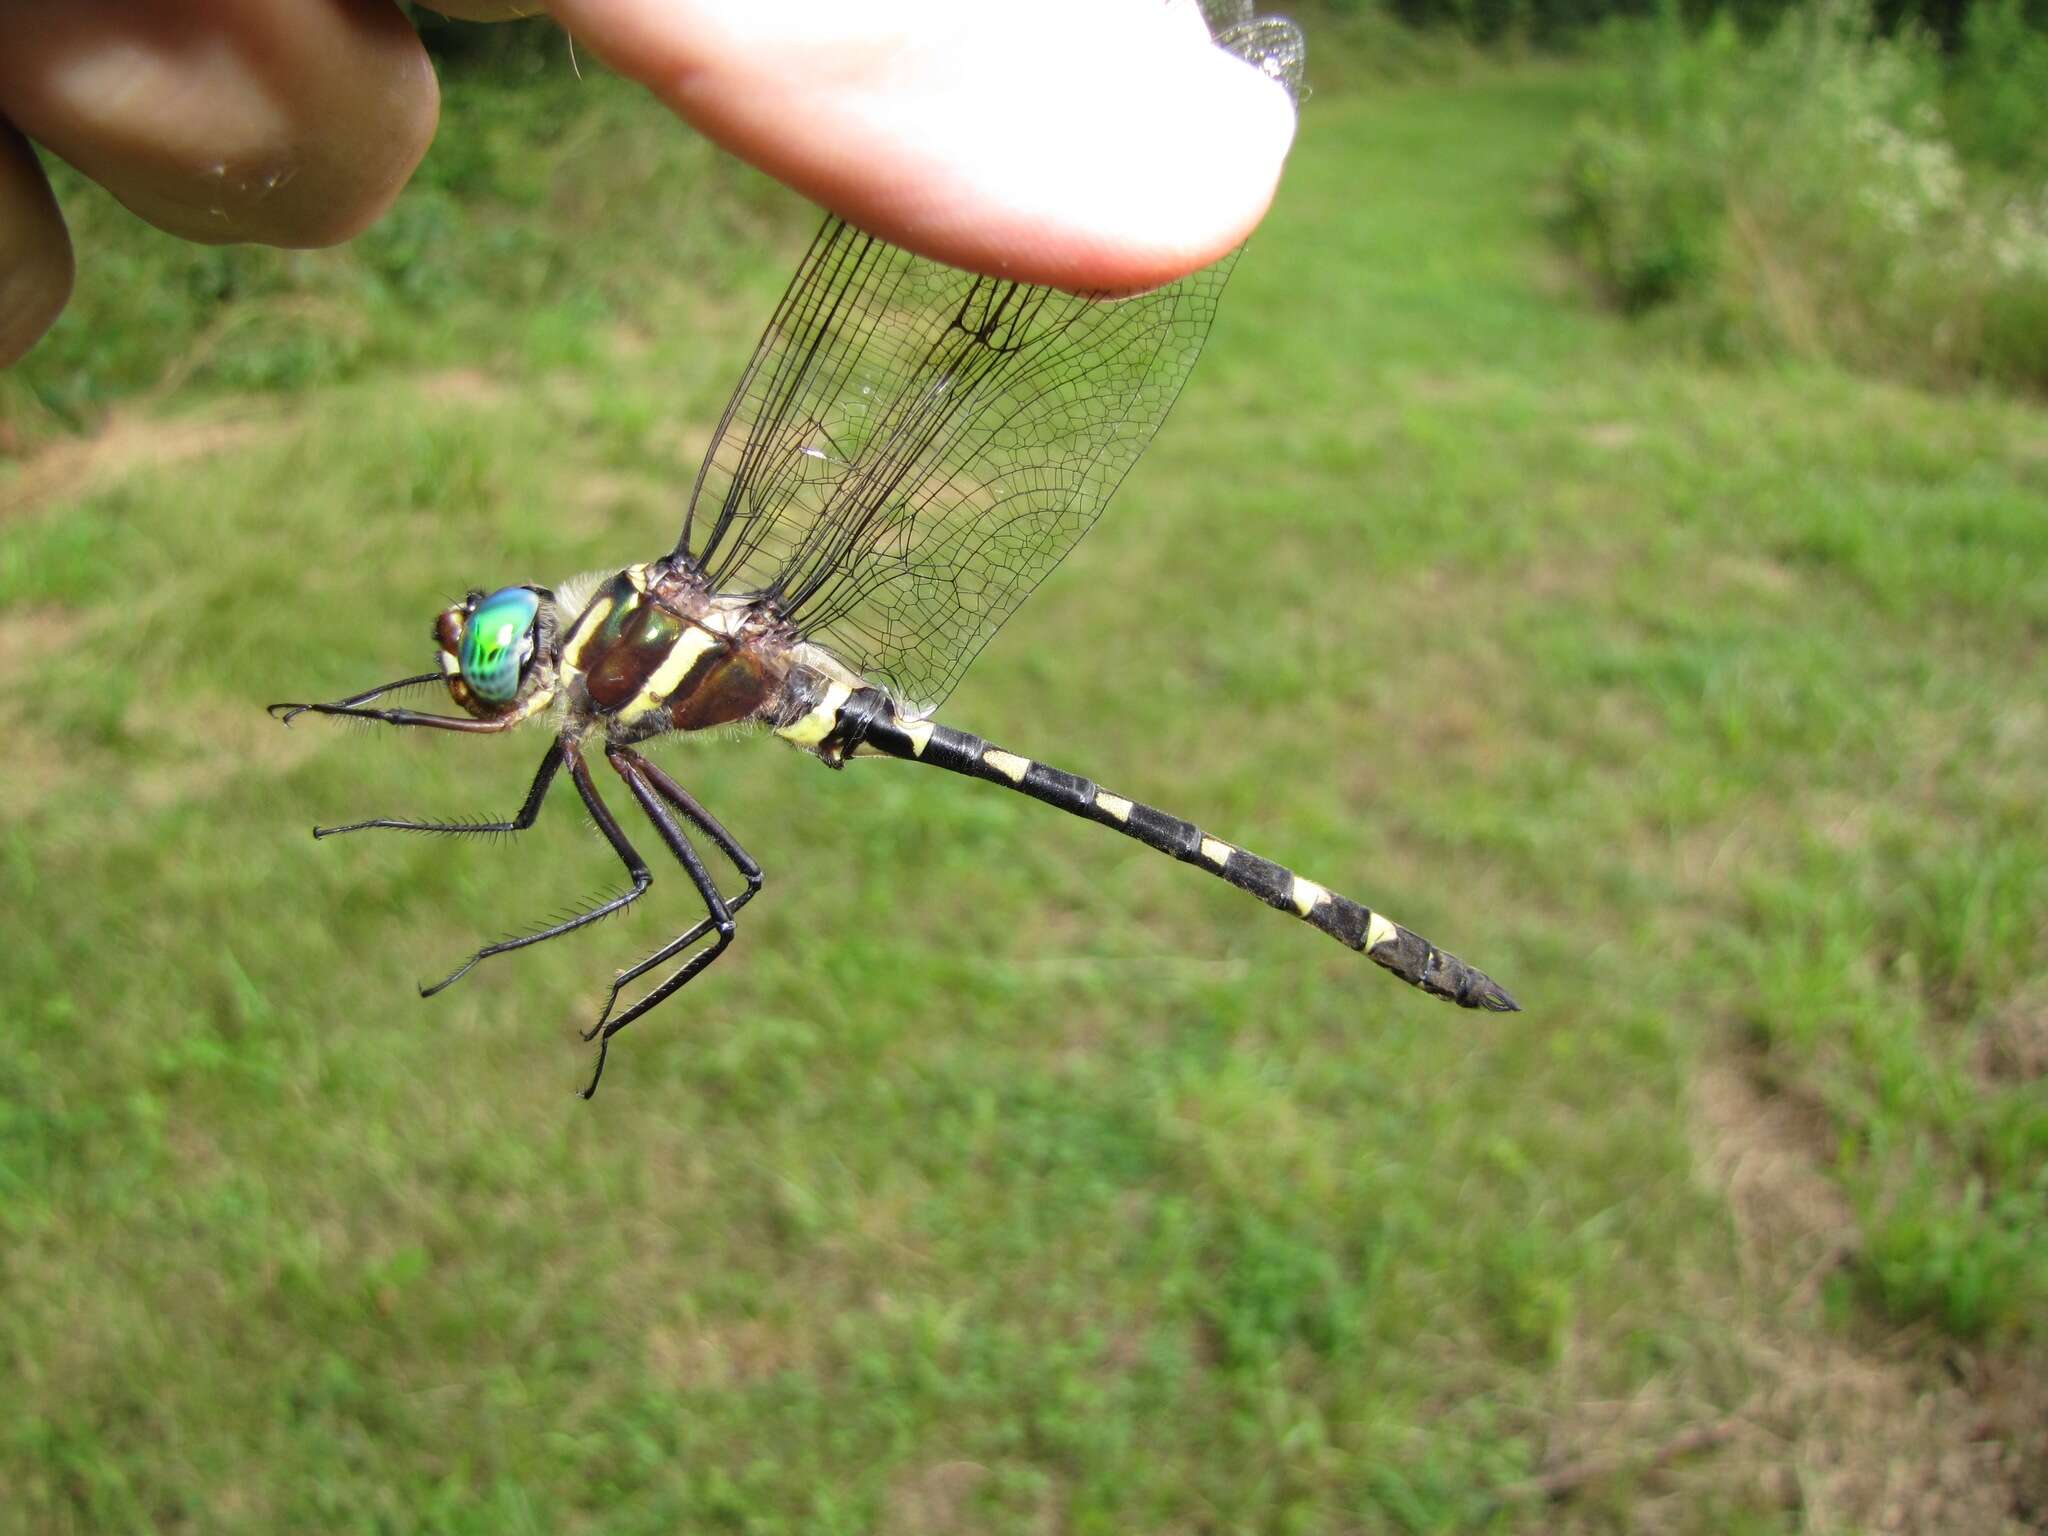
1004,1177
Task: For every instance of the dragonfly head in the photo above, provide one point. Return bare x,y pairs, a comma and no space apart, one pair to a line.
498,651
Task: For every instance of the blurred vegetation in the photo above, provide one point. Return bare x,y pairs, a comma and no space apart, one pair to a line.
1001,1179
1830,191
1554,23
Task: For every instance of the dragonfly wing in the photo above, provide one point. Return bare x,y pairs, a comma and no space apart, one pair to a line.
912,448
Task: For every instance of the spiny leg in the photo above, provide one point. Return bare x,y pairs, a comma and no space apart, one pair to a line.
293,711
347,709
549,766
661,956
710,826
579,774
700,818
629,767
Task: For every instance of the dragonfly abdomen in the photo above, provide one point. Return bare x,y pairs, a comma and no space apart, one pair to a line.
865,722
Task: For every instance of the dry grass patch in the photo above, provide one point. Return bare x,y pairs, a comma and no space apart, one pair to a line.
1904,1432
130,441
2013,1044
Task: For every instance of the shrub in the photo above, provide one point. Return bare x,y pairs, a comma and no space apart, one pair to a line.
1998,96
1645,185
1803,195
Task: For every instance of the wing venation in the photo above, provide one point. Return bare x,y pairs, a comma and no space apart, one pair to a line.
912,448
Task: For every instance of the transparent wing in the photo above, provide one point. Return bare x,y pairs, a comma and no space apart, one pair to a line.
912,448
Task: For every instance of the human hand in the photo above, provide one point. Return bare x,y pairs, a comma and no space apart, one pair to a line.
1091,144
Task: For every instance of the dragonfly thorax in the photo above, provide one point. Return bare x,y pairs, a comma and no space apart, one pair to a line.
655,650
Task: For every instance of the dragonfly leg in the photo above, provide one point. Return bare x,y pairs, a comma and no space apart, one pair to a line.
727,844
630,767
351,708
579,774
701,819
404,717
293,711
528,812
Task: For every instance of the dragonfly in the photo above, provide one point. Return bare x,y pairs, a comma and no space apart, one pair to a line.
910,450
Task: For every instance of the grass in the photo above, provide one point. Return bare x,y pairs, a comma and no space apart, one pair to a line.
1003,1178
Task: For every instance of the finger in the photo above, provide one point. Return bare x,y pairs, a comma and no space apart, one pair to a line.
293,122
1092,144
35,253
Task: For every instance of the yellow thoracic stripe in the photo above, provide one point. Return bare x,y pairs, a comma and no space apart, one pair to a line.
593,620
690,647
814,726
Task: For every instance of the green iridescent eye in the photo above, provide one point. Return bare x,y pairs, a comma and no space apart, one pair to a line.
497,643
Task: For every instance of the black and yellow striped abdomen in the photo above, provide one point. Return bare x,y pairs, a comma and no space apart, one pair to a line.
864,721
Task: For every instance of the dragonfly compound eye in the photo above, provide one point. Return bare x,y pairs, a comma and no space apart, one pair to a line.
497,643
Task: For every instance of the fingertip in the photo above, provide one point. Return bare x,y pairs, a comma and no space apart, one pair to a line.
316,138
36,263
290,122
1164,178
399,101
1161,158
